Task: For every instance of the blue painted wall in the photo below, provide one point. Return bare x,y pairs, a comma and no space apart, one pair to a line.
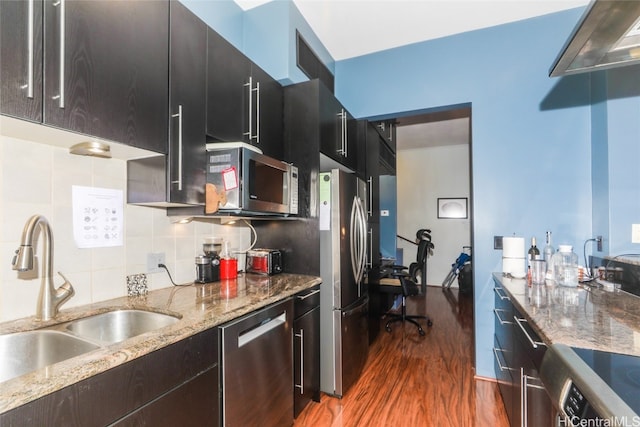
266,34
224,16
531,134
270,40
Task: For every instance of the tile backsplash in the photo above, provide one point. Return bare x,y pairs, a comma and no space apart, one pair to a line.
37,178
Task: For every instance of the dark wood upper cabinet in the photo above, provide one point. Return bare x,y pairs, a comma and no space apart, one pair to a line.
103,63
187,156
21,59
338,130
244,103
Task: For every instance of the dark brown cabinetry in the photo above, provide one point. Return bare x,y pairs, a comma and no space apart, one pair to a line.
244,103
21,59
176,385
338,130
387,129
518,353
186,155
99,69
306,349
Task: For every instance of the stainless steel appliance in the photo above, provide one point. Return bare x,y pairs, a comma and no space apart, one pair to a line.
343,298
251,182
257,368
264,261
591,387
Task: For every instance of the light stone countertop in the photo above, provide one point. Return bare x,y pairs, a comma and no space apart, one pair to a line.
200,307
577,317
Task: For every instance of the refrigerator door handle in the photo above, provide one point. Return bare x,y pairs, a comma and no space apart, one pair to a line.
352,238
363,237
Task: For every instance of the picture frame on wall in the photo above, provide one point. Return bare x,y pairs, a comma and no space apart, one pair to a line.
453,208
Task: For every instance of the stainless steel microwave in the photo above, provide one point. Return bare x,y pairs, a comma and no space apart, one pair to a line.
248,181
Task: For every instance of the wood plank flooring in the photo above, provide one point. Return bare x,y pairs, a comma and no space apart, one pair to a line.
411,380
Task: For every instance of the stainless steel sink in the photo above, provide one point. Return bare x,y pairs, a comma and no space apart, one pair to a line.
24,352
119,325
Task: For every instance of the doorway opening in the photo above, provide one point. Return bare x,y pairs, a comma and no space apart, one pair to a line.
433,166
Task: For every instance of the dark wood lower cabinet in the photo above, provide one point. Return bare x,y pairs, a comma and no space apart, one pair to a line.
176,385
306,349
517,363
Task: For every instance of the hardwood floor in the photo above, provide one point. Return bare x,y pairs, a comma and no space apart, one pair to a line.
411,380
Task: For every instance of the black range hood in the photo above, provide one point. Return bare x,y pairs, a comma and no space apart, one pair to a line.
607,36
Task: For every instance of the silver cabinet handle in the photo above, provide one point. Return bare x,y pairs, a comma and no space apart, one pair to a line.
344,138
370,207
370,257
301,385
60,96
303,297
251,89
502,322
341,150
502,296
534,344
524,387
179,116
390,132
249,85
258,112
495,354
30,50
254,333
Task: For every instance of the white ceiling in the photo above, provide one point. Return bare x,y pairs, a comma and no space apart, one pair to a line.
350,28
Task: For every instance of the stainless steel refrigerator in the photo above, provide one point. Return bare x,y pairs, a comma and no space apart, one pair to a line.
344,331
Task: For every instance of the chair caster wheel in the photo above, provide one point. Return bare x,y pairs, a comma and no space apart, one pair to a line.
421,331
429,323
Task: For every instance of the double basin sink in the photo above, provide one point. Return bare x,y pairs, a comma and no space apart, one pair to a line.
24,352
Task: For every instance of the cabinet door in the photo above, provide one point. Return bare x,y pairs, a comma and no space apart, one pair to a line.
106,70
194,403
228,72
21,59
338,130
372,155
267,118
187,156
306,359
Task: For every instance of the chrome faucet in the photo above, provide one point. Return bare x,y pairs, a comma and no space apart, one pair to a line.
50,298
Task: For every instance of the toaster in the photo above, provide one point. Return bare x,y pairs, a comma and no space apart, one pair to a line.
264,261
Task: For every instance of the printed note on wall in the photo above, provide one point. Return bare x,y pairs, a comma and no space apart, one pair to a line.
98,217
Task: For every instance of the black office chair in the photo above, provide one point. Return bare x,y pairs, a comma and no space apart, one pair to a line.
408,281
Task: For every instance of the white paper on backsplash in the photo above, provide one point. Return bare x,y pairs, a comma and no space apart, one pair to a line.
98,217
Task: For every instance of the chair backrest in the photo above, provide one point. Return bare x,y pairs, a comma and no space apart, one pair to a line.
424,244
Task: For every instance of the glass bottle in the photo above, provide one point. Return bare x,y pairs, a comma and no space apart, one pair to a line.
565,266
534,252
548,250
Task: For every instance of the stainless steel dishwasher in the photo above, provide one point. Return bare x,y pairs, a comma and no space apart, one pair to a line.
257,368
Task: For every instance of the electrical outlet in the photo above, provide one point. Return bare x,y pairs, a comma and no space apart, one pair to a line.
153,259
599,243
635,233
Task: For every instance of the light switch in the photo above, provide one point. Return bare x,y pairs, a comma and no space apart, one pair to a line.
384,212
635,233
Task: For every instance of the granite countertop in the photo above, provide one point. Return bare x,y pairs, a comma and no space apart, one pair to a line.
199,307
578,317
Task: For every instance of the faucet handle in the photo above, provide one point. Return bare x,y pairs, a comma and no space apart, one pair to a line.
66,284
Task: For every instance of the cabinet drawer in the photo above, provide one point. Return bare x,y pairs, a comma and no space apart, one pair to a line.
306,301
527,338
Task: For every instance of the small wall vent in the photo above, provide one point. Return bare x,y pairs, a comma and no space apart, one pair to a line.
310,64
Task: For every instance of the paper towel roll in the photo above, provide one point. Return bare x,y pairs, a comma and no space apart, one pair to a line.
513,247
514,266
